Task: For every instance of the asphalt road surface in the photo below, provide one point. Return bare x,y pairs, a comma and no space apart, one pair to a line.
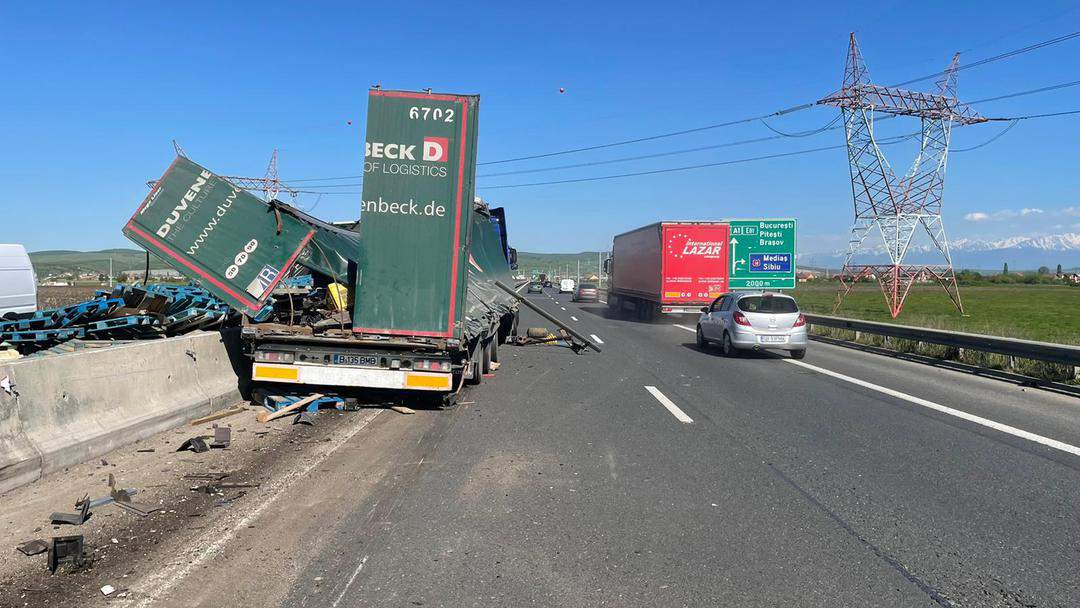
752,481
651,474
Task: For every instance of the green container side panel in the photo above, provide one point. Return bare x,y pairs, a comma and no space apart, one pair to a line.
225,238
485,302
416,211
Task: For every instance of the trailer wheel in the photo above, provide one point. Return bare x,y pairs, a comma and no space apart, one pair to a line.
473,375
486,353
495,351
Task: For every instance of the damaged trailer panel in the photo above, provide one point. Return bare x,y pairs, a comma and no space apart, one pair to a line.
232,243
223,237
417,207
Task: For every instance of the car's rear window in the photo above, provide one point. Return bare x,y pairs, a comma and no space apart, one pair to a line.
768,304
588,286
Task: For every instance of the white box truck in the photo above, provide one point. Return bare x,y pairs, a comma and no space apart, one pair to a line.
18,284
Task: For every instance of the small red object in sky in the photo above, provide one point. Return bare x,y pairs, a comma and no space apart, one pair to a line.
562,89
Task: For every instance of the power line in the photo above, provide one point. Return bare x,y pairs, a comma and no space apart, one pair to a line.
690,167
651,137
1052,87
998,57
762,118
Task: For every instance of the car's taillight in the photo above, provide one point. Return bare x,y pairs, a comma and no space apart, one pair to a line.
800,321
740,319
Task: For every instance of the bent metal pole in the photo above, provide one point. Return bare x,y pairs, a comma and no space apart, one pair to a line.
547,316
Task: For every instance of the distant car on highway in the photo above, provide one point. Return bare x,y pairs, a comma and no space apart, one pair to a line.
753,321
587,292
566,286
536,287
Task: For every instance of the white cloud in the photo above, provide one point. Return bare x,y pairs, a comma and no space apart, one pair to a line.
1030,211
1073,211
977,216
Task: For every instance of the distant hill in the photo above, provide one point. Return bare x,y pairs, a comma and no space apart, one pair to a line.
60,261
530,263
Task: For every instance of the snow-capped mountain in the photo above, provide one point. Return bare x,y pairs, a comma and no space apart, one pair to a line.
1020,252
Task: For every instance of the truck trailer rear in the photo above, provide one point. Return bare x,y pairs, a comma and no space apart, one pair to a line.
668,267
426,315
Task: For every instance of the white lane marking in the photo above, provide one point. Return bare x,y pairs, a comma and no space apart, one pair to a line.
213,541
596,338
997,426
521,287
573,317
685,327
602,301
671,407
562,307
352,578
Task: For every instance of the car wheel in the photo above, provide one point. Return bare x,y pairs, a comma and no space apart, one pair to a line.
702,343
727,347
798,354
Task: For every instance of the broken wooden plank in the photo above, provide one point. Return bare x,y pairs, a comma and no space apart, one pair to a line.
219,415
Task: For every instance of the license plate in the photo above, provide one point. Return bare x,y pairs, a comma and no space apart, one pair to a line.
368,360
773,339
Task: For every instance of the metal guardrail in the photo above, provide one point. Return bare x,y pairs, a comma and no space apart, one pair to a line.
1041,351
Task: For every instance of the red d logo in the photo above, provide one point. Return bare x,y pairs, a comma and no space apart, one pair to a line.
435,149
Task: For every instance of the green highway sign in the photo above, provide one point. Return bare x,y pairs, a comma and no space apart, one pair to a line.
762,254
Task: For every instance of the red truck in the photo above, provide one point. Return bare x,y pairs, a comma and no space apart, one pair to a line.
668,267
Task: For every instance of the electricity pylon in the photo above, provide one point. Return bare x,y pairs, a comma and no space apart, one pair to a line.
892,208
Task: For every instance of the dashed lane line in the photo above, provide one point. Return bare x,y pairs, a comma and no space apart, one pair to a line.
685,327
671,407
596,338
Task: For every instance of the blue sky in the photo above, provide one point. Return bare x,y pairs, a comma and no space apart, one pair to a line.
94,94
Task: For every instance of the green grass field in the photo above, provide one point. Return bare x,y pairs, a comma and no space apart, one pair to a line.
1048,313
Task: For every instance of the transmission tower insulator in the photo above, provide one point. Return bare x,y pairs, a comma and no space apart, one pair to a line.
890,211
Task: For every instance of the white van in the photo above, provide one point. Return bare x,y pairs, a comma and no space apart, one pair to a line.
566,286
18,284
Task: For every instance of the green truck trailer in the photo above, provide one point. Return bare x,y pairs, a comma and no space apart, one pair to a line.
426,315
415,280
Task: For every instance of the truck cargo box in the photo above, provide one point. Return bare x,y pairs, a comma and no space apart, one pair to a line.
423,239
677,266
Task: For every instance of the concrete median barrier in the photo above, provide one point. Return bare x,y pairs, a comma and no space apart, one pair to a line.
65,409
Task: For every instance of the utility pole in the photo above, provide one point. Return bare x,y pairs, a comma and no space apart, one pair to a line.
110,272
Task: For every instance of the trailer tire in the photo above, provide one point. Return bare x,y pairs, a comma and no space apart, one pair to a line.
474,375
486,356
495,351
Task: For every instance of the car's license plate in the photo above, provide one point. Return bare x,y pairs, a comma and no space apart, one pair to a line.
773,339
369,360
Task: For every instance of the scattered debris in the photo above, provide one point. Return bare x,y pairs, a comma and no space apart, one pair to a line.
66,550
206,476
222,436
122,498
125,312
306,418
401,409
268,416
8,386
146,450
218,415
107,590
33,547
75,519
196,444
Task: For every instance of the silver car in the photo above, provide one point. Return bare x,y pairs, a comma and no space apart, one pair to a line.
753,321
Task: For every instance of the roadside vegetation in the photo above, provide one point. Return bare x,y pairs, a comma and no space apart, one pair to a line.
1037,310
